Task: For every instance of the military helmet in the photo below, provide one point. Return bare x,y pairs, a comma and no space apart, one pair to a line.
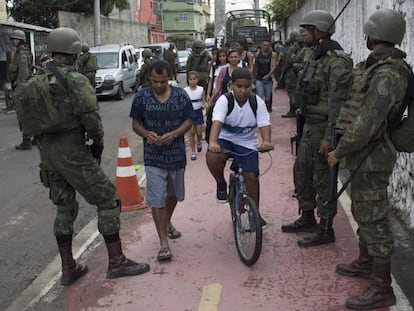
64,40
85,48
322,20
293,36
385,25
147,53
198,44
18,34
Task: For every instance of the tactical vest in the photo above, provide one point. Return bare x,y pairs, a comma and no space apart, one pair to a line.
360,85
349,109
316,89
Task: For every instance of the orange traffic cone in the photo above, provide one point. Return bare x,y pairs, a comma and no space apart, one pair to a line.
126,183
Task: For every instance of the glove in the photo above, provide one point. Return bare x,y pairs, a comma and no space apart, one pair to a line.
96,150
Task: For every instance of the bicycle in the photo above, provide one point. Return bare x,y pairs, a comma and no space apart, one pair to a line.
244,213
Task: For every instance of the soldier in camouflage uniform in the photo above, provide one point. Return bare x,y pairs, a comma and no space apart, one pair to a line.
380,84
87,64
289,72
19,71
68,165
325,91
198,61
171,57
144,79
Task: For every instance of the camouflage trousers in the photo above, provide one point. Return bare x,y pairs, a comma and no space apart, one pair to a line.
291,87
370,208
311,172
67,168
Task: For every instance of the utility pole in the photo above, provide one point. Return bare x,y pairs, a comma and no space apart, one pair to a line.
220,22
97,22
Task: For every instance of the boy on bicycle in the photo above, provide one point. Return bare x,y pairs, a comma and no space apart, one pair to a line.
237,132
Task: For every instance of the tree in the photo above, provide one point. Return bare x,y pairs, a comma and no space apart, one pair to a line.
209,30
279,9
44,12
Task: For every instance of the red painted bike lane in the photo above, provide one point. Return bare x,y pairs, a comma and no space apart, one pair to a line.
205,273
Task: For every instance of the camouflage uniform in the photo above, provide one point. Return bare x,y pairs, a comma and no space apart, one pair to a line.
379,91
19,71
144,79
326,92
64,152
68,165
87,65
170,56
290,73
21,68
322,94
198,61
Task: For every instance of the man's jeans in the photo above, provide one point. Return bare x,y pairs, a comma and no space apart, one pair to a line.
264,89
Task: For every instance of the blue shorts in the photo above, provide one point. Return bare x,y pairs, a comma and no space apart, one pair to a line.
162,182
198,116
249,163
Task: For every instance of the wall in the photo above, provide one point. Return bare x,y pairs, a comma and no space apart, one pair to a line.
112,30
350,35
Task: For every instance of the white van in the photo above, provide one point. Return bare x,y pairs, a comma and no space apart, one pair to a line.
117,69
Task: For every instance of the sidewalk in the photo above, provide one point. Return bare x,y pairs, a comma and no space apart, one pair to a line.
206,273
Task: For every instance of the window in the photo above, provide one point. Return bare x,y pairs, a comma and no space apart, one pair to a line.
182,18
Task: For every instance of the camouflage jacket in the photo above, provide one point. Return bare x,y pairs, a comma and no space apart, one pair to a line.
80,110
87,63
383,87
22,66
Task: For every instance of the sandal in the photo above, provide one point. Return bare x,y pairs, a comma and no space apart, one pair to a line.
172,233
164,254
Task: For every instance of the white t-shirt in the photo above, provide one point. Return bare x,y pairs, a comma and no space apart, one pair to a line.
214,75
196,96
240,125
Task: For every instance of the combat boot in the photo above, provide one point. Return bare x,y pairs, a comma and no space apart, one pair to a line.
379,294
26,144
361,267
320,236
305,223
119,265
71,271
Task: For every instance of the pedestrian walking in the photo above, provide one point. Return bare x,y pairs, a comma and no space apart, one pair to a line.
380,85
265,63
215,69
69,166
162,115
237,131
197,97
322,96
20,70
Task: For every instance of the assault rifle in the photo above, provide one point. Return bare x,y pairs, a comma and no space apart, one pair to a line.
333,184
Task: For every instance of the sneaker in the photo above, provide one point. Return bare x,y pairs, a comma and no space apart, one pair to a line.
193,156
199,146
222,192
263,223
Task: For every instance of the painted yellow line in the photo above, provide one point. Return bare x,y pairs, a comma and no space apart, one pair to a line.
210,297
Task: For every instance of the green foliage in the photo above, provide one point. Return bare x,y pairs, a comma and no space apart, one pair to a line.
44,12
209,30
279,9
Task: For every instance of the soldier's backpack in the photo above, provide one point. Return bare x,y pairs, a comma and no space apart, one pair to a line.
230,101
401,129
36,106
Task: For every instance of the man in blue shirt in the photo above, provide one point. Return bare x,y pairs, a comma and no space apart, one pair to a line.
162,115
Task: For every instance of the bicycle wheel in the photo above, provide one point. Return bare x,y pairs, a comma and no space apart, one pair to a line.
247,230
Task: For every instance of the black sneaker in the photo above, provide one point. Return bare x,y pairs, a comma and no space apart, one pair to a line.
222,192
263,223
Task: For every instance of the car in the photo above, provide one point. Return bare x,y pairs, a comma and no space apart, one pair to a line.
117,69
182,60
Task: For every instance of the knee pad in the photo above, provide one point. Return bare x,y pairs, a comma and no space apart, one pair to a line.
108,216
65,217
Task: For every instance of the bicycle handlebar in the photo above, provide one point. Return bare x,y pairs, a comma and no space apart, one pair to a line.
261,150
